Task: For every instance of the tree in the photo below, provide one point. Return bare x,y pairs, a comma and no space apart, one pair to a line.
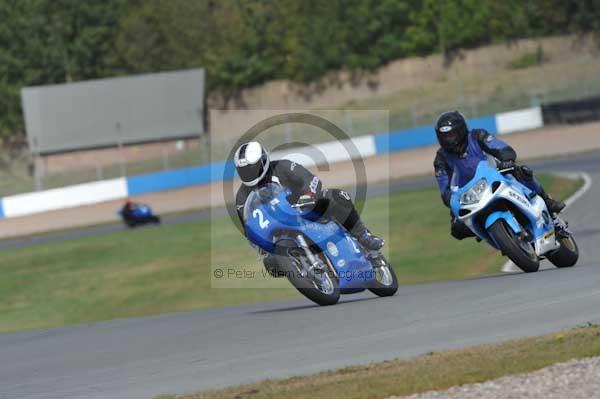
242,43
51,41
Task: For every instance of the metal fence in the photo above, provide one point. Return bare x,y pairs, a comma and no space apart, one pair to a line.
476,94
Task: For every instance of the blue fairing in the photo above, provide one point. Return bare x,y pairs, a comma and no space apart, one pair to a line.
275,218
488,172
508,217
140,212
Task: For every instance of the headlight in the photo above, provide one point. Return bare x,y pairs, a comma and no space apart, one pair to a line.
473,195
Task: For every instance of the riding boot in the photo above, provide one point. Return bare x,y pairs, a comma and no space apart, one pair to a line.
365,237
554,206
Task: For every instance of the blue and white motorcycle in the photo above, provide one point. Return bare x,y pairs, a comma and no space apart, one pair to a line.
511,218
318,256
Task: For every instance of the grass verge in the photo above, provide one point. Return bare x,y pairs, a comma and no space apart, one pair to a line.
433,371
480,93
168,269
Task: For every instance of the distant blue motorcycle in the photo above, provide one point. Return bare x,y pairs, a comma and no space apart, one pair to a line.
511,218
318,256
138,214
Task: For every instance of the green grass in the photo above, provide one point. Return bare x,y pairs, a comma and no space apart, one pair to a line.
168,269
434,371
532,59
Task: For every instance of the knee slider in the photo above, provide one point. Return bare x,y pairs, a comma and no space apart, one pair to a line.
341,197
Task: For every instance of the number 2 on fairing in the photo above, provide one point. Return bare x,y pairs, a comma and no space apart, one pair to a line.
262,222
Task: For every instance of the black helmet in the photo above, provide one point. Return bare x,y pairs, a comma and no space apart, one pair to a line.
451,130
252,163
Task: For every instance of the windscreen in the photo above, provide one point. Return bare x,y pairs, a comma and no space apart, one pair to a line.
463,173
260,196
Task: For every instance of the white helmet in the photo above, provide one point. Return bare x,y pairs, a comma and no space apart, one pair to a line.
252,163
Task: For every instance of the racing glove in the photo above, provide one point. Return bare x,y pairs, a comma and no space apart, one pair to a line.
509,164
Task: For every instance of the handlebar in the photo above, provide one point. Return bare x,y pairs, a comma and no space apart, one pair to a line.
298,205
506,170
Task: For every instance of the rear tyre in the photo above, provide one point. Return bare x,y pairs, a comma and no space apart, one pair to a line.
321,287
385,283
568,253
514,247
155,219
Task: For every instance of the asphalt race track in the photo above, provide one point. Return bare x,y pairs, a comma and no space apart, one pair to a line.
186,352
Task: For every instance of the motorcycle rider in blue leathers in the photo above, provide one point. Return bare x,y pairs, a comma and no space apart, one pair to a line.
462,149
255,169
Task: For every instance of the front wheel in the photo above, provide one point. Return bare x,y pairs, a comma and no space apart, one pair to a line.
320,284
517,248
568,253
385,283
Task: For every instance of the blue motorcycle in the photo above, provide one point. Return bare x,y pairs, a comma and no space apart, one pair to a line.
317,255
138,215
511,218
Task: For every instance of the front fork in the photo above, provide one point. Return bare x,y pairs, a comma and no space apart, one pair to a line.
312,259
561,225
376,258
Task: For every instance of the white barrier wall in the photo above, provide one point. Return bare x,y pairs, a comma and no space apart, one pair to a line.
66,197
331,152
523,119
309,156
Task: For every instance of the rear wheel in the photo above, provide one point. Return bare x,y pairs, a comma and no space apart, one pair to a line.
385,283
316,282
515,246
568,253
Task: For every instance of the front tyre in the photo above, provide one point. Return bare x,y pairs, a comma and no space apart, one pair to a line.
320,286
515,247
568,253
385,283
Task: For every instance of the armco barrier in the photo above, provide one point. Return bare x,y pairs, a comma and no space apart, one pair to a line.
359,147
402,140
422,136
575,111
523,119
309,156
178,178
331,152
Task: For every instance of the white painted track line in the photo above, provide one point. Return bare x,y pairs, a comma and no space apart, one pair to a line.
509,266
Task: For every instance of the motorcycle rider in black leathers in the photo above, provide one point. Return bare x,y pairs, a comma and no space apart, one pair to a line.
463,149
255,169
